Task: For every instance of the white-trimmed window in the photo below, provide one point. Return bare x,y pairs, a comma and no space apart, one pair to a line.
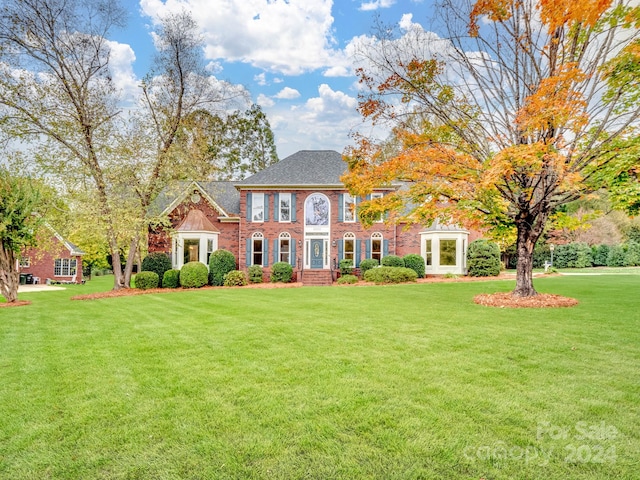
24,262
284,207
257,207
349,246
284,247
374,196
193,247
211,247
448,252
65,267
376,245
257,248
349,208
428,252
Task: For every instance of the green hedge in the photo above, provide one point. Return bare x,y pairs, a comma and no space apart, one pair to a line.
157,262
221,262
346,266
146,280
483,259
194,275
347,279
171,279
281,272
416,263
390,275
392,261
235,278
368,264
573,255
256,274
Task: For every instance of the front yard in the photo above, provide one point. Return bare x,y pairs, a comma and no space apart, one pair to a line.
408,381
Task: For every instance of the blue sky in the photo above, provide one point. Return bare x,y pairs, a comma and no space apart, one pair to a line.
292,56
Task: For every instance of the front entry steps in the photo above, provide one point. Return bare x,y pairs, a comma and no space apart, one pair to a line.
316,277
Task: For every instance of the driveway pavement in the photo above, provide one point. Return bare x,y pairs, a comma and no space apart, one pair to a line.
37,288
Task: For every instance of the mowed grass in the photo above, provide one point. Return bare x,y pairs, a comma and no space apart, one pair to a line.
396,382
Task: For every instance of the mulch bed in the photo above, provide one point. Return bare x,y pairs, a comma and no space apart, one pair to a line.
19,303
493,300
542,300
128,292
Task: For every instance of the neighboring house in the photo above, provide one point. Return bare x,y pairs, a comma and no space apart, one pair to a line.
296,211
55,259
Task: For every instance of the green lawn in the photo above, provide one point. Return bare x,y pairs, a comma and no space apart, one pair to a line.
397,382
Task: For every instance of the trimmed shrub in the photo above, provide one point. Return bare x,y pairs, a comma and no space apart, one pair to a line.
632,257
235,278
255,274
392,261
541,254
416,263
281,272
347,279
146,280
171,279
346,266
221,262
572,255
483,259
368,264
390,275
616,257
600,254
157,262
194,275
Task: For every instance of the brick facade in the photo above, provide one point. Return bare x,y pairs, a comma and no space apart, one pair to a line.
314,244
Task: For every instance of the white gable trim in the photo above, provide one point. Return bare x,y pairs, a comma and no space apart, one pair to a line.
187,191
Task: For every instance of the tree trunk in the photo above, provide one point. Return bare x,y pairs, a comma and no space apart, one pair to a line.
524,267
131,259
530,227
9,276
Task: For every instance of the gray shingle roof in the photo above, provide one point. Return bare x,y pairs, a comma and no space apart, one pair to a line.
306,167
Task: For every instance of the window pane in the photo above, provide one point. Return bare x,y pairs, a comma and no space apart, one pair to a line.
284,250
257,207
191,251
448,252
348,249
285,207
376,249
429,258
349,208
257,251
317,210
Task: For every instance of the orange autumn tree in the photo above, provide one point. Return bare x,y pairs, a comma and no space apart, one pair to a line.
512,109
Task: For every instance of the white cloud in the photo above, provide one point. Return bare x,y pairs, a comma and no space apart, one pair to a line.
265,101
322,122
288,37
288,93
121,67
260,79
376,4
339,71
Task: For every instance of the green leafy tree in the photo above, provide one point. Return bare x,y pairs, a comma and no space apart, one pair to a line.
228,147
59,98
19,201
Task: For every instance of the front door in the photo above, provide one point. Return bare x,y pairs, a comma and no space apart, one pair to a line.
317,253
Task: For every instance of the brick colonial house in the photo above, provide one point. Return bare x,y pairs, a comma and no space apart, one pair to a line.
294,211
54,260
